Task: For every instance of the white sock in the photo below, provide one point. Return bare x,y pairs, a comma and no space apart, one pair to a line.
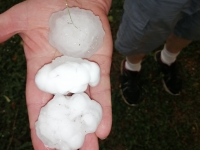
168,57
133,67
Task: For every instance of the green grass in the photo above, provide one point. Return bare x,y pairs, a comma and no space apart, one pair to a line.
161,122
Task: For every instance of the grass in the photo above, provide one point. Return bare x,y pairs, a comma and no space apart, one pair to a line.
161,122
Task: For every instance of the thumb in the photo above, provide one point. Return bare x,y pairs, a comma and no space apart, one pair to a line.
12,21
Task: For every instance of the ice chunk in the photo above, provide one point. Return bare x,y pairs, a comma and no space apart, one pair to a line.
76,34
67,75
64,121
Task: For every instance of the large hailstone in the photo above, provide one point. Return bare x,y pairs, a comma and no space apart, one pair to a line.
64,121
67,75
76,33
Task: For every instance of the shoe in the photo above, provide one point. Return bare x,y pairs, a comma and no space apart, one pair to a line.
171,81
129,87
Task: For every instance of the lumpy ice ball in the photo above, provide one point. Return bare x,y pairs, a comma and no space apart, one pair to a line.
67,75
77,34
64,121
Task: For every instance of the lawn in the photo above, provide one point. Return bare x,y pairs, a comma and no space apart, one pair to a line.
160,122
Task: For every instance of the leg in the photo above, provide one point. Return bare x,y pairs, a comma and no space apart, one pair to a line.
140,32
133,62
172,48
134,59
167,63
175,44
186,30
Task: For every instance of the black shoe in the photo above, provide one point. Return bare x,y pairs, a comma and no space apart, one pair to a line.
130,90
171,82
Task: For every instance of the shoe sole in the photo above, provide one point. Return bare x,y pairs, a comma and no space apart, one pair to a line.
164,85
124,99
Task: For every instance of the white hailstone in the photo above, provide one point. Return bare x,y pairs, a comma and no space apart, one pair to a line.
64,121
76,33
67,75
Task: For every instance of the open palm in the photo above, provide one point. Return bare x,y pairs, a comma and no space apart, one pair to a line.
30,20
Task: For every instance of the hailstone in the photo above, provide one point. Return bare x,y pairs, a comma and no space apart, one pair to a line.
64,121
67,75
76,32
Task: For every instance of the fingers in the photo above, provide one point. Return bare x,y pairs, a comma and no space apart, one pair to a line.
35,99
12,21
104,127
102,94
37,143
90,143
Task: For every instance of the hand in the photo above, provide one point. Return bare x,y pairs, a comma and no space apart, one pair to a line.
30,20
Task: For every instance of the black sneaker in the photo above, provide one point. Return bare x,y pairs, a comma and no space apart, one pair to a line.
130,89
171,82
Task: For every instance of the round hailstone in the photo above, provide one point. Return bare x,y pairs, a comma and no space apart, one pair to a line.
76,33
62,124
67,75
